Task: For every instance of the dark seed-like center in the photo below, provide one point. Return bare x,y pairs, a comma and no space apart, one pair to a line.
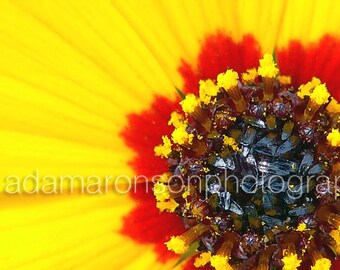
273,181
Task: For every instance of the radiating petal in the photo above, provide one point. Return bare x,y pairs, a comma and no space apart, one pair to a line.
71,82
308,21
64,232
182,25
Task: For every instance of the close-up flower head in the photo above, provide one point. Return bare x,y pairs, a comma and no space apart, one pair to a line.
158,134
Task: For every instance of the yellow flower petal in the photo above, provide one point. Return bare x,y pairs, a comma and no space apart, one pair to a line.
70,73
67,86
61,232
319,17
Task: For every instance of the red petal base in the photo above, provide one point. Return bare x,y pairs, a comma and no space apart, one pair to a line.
318,60
218,53
145,224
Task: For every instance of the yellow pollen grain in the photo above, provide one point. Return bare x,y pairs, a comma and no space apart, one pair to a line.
161,192
306,89
190,103
322,264
185,194
320,94
177,245
208,89
170,205
228,79
268,67
176,119
335,234
302,227
284,80
333,106
228,141
202,259
220,262
164,149
291,262
181,136
334,137
249,77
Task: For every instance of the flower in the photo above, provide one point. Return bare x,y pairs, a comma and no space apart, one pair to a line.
73,74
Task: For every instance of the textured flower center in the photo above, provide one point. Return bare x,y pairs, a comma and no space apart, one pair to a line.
253,166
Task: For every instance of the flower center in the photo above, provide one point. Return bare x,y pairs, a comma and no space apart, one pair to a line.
253,167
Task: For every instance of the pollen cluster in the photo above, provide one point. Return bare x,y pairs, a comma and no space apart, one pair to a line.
253,166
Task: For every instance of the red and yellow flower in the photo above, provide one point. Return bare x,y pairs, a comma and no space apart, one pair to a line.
88,88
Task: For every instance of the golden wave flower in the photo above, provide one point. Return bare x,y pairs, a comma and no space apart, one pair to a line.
85,87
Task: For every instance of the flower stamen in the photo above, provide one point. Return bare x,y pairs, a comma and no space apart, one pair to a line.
207,90
202,259
176,119
169,205
318,97
220,261
334,137
164,149
319,262
268,71
191,105
180,136
249,77
335,244
290,258
229,82
180,244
